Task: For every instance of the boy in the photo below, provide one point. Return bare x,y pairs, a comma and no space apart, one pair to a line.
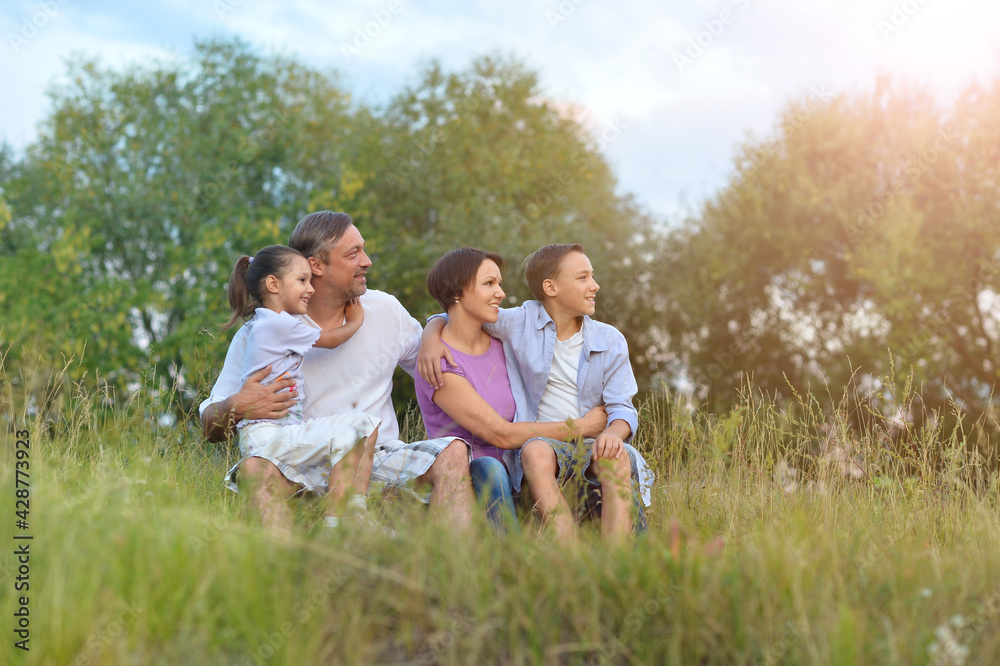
568,363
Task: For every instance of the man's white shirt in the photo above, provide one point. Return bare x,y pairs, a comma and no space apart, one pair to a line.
356,376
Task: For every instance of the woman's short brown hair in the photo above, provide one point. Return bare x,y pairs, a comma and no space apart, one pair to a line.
455,271
543,264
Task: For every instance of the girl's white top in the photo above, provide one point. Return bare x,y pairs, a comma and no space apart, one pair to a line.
280,340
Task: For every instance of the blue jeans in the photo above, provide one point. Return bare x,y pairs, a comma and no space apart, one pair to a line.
491,482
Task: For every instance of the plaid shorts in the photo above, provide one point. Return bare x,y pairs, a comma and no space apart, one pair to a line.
398,463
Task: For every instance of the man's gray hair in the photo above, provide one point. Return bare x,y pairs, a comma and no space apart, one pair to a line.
318,232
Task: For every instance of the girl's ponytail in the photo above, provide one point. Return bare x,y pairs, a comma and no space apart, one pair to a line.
247,279
240,300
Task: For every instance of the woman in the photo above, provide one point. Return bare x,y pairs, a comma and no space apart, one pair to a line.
476,399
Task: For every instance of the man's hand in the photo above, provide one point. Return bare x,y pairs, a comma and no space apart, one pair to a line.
432,350
263,401
607,446
593,422
253,401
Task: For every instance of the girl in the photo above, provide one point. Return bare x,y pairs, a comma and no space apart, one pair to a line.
270,288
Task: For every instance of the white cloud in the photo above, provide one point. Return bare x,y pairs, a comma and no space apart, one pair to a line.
616,60
41,63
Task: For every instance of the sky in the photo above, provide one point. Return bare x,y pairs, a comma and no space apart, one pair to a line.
672,86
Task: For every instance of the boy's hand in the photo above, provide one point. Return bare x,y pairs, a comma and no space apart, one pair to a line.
432,350
608,447
354,312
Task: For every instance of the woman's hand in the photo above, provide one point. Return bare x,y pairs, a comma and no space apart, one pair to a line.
593,422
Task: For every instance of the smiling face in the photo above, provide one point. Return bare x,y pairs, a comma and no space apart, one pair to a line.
290,292
573,289
481,300
346,266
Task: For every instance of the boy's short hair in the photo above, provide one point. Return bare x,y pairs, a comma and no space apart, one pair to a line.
455,271
543,264
318,232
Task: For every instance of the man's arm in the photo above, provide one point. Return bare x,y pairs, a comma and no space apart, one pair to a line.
253,401
409,337
432,350
461,402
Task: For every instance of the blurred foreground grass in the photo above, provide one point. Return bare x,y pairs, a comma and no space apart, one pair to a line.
140,557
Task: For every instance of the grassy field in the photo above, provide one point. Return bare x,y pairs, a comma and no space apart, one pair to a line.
139,556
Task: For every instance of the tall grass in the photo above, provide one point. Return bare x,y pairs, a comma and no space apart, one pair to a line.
761,550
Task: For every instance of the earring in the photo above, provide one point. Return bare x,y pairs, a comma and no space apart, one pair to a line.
456,300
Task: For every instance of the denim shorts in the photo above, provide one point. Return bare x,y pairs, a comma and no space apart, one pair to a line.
573,461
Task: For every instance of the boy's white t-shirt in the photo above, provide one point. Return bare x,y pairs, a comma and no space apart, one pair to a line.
561,399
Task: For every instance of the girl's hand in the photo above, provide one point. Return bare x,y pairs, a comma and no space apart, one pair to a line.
353,312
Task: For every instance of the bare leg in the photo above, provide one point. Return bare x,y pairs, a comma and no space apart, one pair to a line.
363,471
268,490
451,485
351,475
616,497
540,471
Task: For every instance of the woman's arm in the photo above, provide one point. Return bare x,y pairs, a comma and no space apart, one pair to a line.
468,409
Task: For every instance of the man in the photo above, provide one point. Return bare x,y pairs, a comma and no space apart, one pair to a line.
356,376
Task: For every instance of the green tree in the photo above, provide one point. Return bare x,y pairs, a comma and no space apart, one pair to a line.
868,223
481,157
146,184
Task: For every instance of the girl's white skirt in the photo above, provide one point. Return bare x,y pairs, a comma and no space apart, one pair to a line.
304,452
